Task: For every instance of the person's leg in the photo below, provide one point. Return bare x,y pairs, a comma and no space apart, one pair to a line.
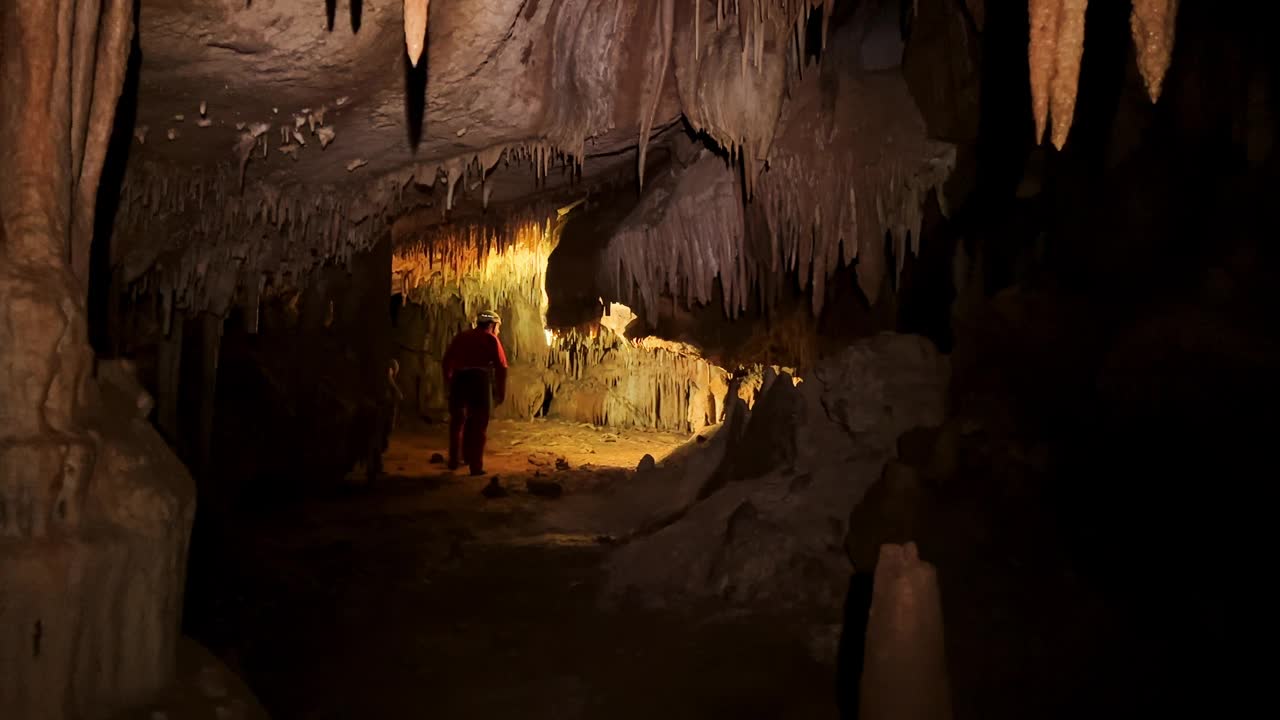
457,419
477,425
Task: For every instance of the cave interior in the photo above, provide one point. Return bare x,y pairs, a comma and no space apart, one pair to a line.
882,359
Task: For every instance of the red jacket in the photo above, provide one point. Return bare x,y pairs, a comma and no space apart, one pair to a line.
477,348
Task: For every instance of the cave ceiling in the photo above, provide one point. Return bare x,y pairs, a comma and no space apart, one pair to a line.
484,84
273,136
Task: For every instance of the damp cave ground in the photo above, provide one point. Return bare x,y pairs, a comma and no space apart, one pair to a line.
418,597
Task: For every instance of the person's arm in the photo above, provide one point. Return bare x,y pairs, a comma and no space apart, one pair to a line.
499,373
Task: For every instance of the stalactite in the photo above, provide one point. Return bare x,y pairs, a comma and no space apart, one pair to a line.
694,231
666,32
415,28
1152,24
1057,44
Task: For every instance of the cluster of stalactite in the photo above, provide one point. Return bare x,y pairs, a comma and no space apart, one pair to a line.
713,53
843,175
686,233
842,180
600,377
205,241
456,272
1057,45
597,48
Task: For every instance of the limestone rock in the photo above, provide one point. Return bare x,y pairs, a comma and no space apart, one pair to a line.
494,489
757,537
647,463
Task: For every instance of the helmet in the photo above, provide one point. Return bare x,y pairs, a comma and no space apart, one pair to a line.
488,317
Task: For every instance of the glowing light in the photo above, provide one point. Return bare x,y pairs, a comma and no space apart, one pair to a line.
561,212
551,336
485,268
618,318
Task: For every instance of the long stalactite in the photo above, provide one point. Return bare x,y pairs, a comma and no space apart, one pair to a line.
1056,46
1153,24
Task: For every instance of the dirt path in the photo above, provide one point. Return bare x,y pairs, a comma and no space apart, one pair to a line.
419,598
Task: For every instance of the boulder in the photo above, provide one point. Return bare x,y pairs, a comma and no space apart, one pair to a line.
768,526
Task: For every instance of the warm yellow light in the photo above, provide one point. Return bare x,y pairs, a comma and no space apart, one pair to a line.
551,335
618,318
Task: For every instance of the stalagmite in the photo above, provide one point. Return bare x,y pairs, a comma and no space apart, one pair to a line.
1153,23
415,28
326,135
904,675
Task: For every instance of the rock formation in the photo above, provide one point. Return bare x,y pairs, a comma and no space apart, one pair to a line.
764,522
94,509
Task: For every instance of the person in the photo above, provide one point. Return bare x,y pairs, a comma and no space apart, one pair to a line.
475,372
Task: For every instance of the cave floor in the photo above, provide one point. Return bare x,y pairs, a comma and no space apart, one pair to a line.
419,597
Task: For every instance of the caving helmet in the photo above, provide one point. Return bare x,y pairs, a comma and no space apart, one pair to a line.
488,317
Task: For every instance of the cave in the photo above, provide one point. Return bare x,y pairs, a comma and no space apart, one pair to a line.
880,359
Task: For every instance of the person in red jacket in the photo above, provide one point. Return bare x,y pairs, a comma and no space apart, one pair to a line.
475,371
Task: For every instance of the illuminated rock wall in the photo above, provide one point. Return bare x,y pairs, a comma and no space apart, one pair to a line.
592,374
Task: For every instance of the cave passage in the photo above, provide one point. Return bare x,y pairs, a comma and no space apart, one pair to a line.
866,359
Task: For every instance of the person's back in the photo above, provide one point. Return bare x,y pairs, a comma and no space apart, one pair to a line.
473,348
475,372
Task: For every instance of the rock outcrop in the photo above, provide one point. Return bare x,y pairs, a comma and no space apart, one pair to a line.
765,525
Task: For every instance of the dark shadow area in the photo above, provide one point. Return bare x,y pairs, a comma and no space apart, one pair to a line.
415,96
853,645
295,409
357,14
103,298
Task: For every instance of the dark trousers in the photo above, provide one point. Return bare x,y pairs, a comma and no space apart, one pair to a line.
469,402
